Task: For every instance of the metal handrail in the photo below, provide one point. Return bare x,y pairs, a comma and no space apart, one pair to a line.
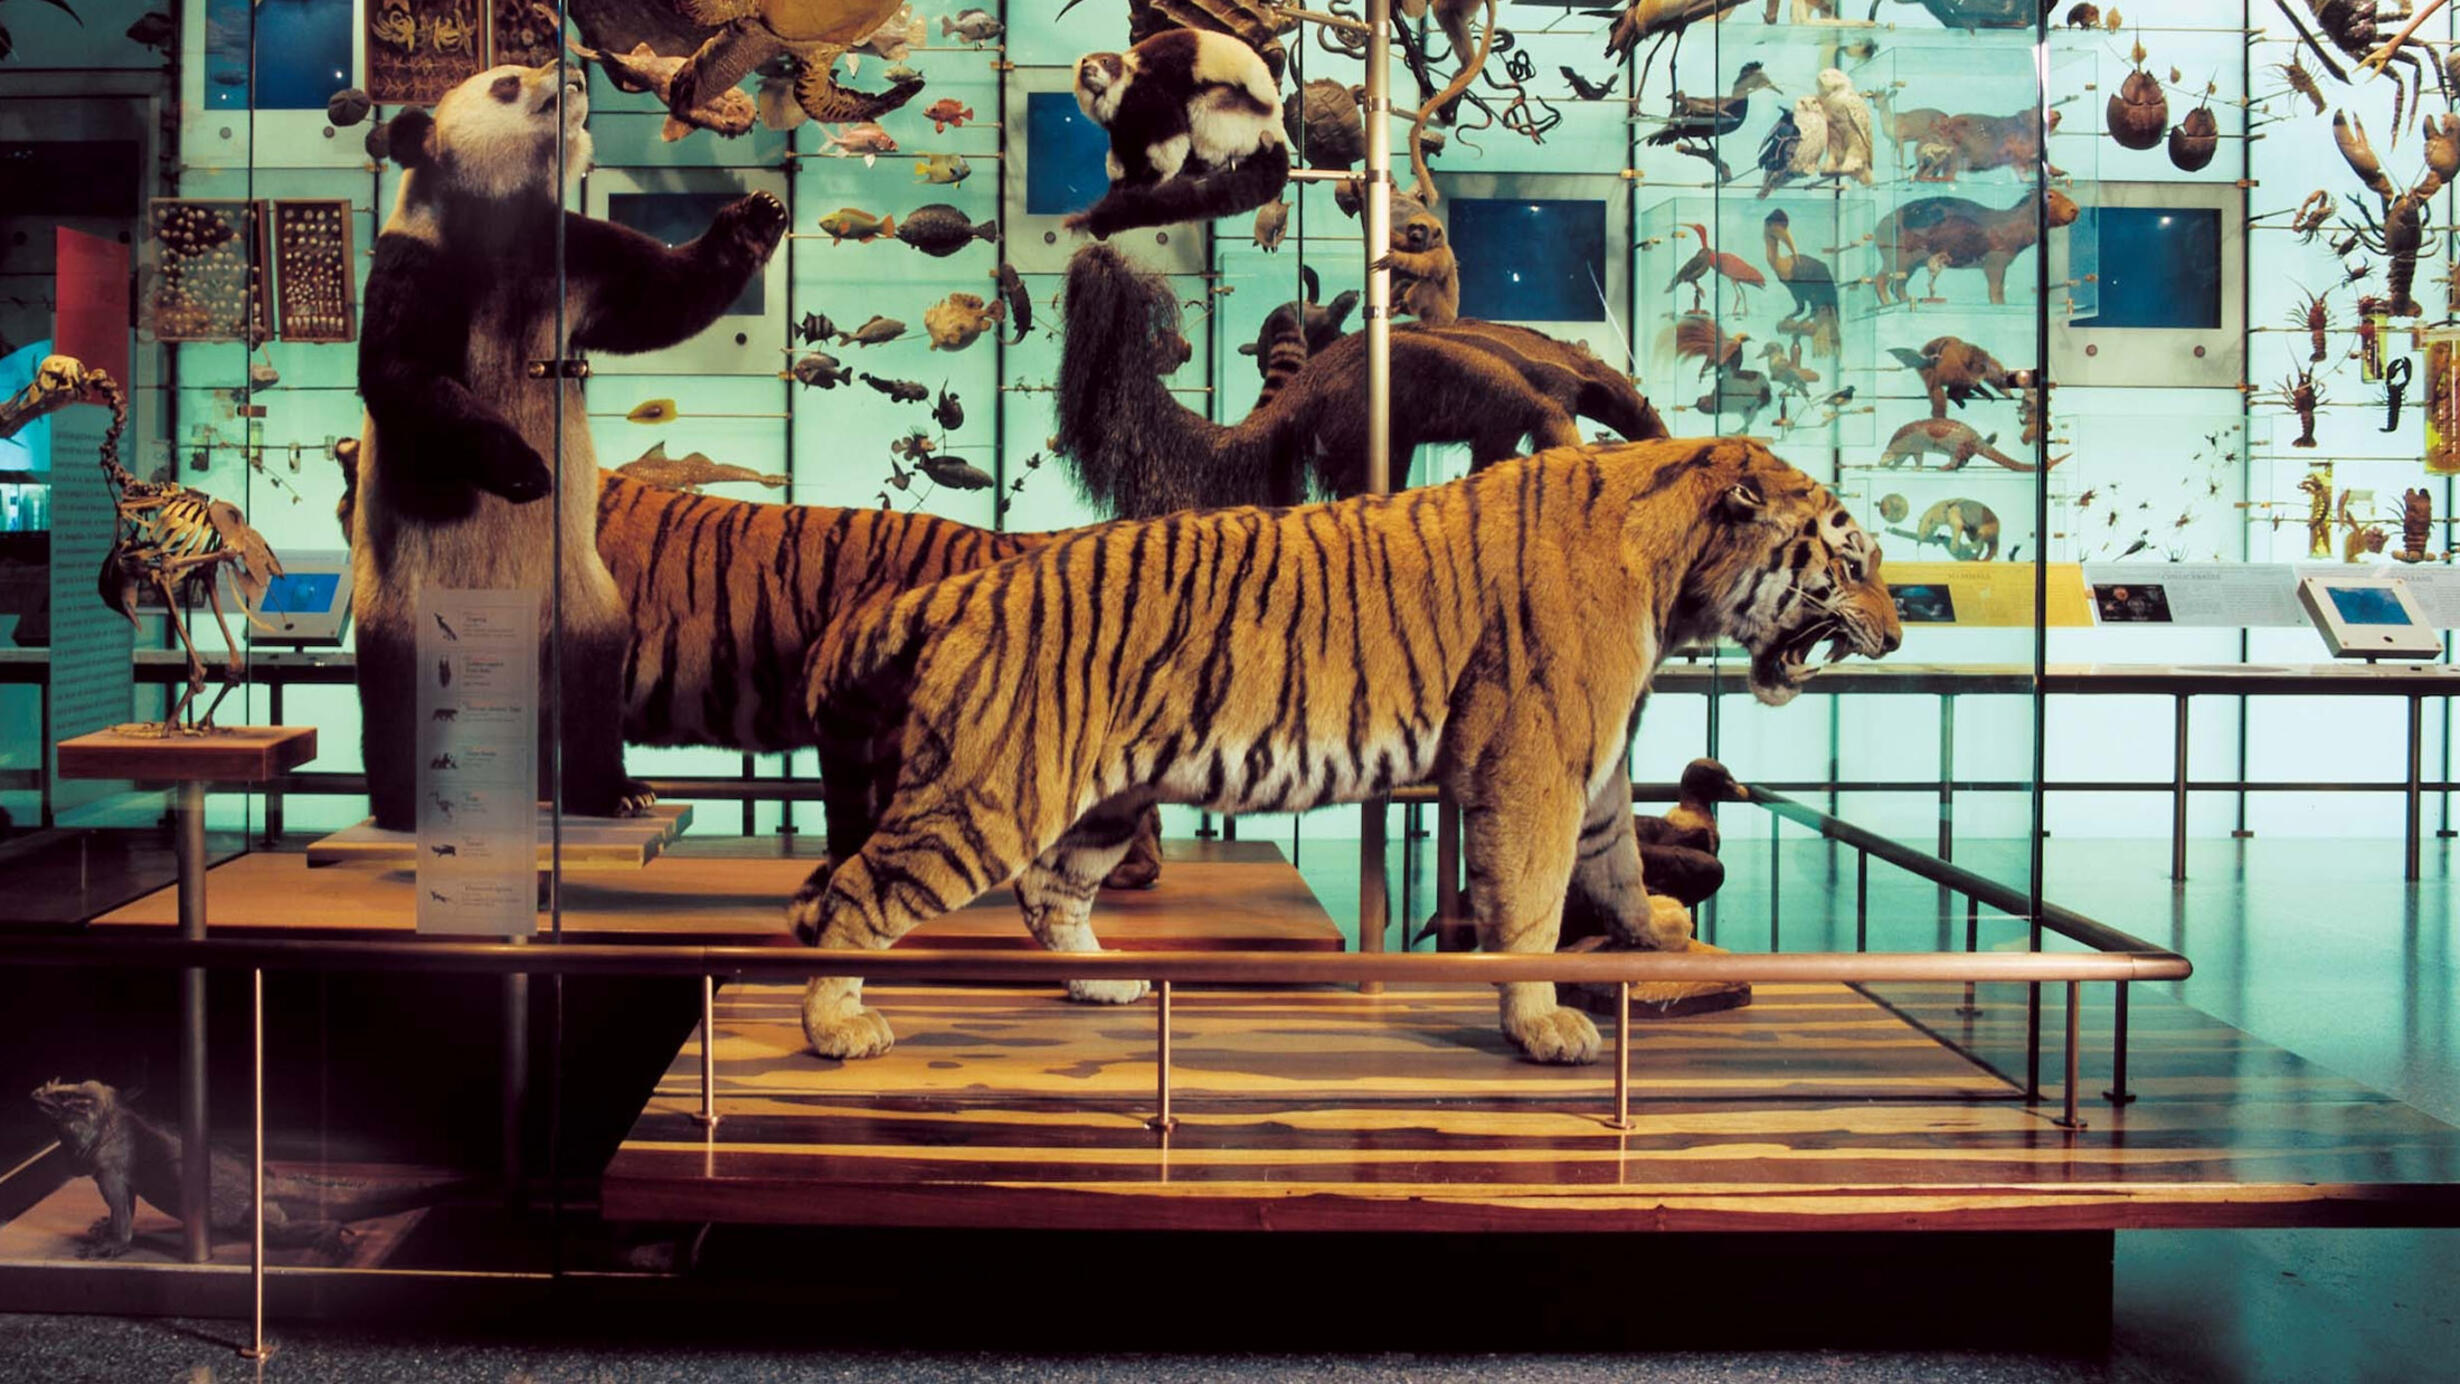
998,966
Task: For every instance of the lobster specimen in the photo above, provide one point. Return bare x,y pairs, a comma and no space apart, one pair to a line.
2316,318
2313,215
2401,231
2354,27
2300,80
2302,396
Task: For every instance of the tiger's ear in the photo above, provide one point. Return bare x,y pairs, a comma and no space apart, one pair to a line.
1743,501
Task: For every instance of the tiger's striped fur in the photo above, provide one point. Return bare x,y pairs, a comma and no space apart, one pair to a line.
1495,634
727,598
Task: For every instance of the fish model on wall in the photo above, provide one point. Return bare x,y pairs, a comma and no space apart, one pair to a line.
957,321
940,230
873,333
693,470
949,169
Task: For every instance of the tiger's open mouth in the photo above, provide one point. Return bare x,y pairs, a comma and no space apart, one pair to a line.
1779,670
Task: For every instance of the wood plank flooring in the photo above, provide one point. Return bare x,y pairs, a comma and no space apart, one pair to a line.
1214,895
1817,1107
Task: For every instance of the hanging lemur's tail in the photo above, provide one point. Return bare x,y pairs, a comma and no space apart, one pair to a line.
1242,187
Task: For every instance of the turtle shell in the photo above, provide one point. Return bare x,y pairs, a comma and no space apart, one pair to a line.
2139,111
845,22
1325,121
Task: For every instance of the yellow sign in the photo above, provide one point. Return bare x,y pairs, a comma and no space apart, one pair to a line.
1985,594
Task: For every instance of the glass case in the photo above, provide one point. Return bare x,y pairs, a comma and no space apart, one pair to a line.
521,534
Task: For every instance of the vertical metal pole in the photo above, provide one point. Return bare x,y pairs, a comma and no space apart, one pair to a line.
1973,943
750,804
1622,1055
1164,1121
1448,860
1774,882
2118,1094
2416,796
195,1156
1947,805
2178,789
2075,1044
516,1079
708,1116
256,1349
273,796
1374,907
1862,900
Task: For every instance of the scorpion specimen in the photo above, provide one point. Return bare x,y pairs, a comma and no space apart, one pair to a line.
2302,396
2400,233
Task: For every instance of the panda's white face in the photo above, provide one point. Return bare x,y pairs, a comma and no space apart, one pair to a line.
496,132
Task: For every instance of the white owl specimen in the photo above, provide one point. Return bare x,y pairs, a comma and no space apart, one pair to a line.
1849,127
1811,145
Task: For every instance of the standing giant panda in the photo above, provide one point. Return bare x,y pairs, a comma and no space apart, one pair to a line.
454,479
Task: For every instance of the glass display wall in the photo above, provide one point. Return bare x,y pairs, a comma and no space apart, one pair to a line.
2104,397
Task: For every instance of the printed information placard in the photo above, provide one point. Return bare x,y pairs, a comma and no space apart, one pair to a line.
478,762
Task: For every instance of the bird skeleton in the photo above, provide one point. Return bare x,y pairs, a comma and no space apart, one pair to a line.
171,538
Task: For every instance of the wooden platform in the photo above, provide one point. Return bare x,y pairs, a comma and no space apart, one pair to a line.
628,842
230,754
53,1229
1818,1107
1235,895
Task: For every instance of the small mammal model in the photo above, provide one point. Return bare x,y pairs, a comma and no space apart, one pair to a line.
1426,278
1195,131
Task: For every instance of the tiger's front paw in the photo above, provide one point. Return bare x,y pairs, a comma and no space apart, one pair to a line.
1553,1035
837,1025
1107,991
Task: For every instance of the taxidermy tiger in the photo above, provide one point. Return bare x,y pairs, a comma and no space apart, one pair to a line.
1494,634
726,598
1139,451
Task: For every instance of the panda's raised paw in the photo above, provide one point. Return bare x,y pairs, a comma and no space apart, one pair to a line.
758,221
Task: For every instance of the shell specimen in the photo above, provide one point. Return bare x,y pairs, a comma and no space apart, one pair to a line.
2193,140
2139,111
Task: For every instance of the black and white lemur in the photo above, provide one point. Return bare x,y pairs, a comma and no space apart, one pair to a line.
454,465
1195,131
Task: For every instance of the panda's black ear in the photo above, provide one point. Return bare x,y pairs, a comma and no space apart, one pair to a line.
410,138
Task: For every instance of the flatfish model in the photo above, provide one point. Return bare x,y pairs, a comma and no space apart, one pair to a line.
940,230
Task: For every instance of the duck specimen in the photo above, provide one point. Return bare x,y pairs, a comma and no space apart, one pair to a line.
1709,118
